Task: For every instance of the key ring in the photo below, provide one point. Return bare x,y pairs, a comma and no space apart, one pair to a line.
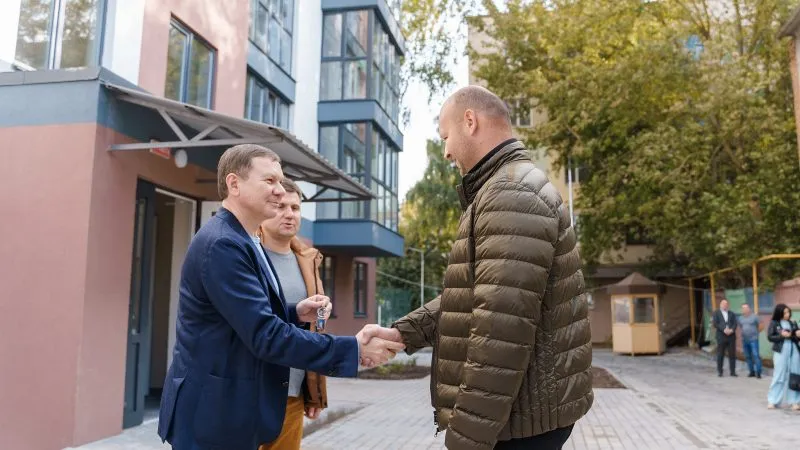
321,318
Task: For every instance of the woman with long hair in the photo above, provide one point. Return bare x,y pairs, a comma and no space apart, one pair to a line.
785,338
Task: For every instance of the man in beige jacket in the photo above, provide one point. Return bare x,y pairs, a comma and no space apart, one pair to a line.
297,266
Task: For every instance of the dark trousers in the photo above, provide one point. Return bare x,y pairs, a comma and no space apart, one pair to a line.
552,440
727,344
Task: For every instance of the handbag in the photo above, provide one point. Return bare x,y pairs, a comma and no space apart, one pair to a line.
794,378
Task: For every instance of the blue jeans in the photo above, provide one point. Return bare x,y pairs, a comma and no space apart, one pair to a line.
752,356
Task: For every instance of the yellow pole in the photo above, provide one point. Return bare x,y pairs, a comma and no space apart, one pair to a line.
692,311
755,288
713,293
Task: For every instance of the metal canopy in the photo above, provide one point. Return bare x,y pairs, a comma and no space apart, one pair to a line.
216,130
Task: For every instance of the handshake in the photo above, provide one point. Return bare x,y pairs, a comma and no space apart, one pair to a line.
377,345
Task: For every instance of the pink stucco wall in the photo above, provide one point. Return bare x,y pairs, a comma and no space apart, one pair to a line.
65,274
223,24
46,175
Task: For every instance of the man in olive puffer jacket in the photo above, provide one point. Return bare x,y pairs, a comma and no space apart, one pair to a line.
510,332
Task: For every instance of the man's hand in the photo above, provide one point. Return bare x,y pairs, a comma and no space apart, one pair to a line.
372,330
307,309
312,413
378,344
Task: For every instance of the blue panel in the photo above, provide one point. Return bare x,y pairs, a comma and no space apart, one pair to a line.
260,64
383,10
307,229
49,103
359,111
357,237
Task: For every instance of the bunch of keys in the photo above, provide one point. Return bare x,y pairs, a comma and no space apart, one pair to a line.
321,319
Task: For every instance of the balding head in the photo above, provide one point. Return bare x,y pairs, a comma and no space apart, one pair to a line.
482,101
472,122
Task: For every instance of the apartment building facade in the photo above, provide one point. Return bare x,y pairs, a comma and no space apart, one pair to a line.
113,115
791,32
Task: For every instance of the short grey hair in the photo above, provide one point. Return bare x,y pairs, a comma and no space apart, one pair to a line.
481,100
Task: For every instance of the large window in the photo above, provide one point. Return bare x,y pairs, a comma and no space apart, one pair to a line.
190,68
365,154
384,206
264,105
344,55
358,63
271,24
58,34
360,290
385,71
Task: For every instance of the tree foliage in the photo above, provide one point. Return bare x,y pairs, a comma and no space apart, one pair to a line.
680,110
428,221
432,29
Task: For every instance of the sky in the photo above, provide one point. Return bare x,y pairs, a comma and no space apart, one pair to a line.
421,126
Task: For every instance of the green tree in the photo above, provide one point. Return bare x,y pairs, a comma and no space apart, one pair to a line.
428,221
431,29
680,110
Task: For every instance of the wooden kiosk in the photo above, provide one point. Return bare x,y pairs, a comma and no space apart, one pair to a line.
636,316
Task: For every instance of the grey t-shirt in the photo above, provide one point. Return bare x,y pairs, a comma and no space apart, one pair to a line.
749,327
294,289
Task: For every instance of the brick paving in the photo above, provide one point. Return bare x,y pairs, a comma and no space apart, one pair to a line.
674,401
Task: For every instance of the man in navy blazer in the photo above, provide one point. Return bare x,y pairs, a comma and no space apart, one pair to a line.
227,385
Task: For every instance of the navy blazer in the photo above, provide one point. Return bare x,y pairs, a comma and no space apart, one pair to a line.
228,382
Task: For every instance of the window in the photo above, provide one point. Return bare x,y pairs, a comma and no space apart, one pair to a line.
271,23
58,34
190,68
644,310
622,310
520,112
350,146
385,71
360,290
264,105
353,70
327,272
383,184
344,55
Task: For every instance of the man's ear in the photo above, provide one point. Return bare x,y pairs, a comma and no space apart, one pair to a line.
471,121
233,184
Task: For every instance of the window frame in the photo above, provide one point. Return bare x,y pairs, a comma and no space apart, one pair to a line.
359,289
384,180
389,76
341,60
284,28
55,34
186,62
254,84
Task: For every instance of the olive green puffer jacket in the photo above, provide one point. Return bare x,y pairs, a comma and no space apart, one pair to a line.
510,332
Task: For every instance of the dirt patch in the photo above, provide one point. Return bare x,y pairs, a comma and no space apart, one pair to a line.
601,379
396,371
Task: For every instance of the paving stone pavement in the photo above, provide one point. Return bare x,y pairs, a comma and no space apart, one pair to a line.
674,401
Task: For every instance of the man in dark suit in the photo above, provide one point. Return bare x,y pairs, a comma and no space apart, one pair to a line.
725,323
236,339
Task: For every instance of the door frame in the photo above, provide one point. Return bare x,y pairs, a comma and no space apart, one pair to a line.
137,359
137,367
